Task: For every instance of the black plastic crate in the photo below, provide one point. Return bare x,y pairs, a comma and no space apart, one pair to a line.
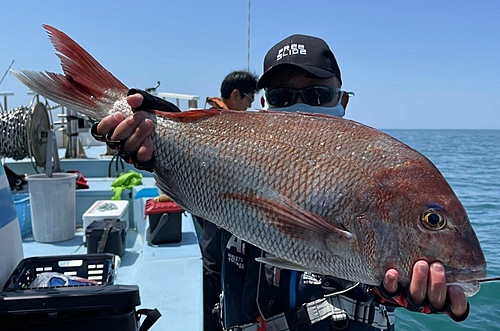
97,267
97,308
102,307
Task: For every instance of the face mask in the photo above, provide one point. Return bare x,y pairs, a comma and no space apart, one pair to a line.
337,110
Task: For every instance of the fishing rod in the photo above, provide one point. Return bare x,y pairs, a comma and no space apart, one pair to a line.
6,71
488,279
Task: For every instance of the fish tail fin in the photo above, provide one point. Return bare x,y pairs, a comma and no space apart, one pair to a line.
85,86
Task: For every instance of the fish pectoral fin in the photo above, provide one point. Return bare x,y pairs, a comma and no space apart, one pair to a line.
280,263
297,223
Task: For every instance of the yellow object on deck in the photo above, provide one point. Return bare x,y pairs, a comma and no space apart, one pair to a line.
125,181
162,198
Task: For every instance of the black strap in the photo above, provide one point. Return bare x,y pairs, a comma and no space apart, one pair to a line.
403,299
131,158
105,235
152,315
117,145
152,102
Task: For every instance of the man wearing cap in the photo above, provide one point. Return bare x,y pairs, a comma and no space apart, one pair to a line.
301,73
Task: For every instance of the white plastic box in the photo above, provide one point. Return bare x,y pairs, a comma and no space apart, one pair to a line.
105,209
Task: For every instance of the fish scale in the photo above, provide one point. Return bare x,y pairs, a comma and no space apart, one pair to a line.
318,193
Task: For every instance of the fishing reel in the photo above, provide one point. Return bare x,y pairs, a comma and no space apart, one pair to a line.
28,132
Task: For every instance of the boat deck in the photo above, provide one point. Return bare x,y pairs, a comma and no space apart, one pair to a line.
169,276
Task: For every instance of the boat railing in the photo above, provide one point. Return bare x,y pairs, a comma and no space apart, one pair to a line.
191,99
5,95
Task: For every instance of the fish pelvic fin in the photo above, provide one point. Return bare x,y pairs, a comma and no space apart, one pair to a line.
280,263
85,86
298,223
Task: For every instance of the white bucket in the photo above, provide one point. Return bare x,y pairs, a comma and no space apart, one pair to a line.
53,205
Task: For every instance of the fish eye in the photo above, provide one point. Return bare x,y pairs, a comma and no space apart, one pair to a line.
433,220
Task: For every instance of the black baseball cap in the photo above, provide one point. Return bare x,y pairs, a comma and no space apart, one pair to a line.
309,53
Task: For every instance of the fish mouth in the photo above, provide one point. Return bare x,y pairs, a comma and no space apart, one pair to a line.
466,279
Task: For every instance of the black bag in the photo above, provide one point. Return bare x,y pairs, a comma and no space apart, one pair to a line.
106,236
16,181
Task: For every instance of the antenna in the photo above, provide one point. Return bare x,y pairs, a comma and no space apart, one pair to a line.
5,74
248,65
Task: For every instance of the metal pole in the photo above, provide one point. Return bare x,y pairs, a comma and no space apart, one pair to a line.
192,104
6,71
5,95
72,133
248,65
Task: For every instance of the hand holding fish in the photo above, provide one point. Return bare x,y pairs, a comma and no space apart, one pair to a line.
136,129
428,285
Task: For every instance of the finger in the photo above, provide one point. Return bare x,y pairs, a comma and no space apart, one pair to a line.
458,300
135,100
390,282
139,136
129,126
145,152
109,123
436,287
418,283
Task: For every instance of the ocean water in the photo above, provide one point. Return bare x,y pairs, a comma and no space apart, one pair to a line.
470,161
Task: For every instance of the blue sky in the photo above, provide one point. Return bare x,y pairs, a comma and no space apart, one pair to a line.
419,64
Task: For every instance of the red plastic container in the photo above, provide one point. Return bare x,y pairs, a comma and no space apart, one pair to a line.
165,222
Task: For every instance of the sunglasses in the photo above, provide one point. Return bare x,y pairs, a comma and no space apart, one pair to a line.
313,95
249,97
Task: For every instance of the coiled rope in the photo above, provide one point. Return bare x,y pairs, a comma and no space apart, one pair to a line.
14,133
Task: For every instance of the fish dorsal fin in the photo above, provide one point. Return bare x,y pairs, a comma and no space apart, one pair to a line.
298,223
194,115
